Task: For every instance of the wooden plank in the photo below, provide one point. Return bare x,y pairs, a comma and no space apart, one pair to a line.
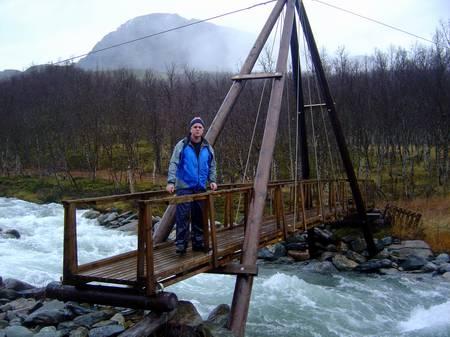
141,242
256,76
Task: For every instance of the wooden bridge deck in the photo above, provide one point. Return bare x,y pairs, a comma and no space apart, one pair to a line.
170,268
167,268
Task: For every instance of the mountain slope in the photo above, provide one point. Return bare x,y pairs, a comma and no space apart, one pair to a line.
205,46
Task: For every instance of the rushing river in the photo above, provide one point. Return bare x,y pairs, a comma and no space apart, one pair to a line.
286,301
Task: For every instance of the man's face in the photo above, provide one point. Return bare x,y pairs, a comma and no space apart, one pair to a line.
197,130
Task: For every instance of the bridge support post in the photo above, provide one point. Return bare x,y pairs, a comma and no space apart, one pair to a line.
243,287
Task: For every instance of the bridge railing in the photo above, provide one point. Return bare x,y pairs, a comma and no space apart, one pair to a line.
305,201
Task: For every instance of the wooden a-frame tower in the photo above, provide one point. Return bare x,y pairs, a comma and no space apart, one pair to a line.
289,41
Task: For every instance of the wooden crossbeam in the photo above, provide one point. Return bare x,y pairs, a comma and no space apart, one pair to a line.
256,76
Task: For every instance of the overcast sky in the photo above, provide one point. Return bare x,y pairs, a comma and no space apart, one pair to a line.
41,31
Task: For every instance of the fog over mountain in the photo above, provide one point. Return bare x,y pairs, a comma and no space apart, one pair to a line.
205,46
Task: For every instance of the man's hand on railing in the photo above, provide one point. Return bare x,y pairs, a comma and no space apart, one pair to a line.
170,188
213,186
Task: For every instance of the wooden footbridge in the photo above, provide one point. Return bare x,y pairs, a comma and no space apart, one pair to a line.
291,208
253,215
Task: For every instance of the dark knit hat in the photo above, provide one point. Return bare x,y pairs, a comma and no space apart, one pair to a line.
196,120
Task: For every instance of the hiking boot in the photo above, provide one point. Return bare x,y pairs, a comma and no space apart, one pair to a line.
180,250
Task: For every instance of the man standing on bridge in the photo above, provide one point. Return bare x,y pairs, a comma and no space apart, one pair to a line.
191,167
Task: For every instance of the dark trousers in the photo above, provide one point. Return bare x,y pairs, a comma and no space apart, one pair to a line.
194,210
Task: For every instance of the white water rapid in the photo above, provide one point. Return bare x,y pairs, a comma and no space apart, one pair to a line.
286,301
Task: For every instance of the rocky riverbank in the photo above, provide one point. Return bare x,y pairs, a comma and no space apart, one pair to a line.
25,311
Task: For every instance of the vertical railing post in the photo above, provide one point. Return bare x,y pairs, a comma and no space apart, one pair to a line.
212,220
206,225
149,260
141,244
228,220
70,259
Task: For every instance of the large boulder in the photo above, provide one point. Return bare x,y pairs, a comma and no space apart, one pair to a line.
343,263
220,315
50,313
358,245
373,266
413,262
358,258
325,267
184,322
11,283
410,247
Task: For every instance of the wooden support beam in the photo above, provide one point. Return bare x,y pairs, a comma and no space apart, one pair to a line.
256,76
242,291
70,262
106,295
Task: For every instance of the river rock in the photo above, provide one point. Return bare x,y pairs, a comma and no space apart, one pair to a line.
442,258
325,267
324,236
17,331
410,247
11,283
327,256
358,245
278,250
388,271
184,322
50,313
383,254
106,218
219,315
296,246
299,255
77,309
91,214
106,331
79,332
8,294
444,268
387,240
446,276
129,227
48,331
413,262
343,263
429,267
373,266
265,254
119,319
3,324
355,256
11,234
88,320
20,305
